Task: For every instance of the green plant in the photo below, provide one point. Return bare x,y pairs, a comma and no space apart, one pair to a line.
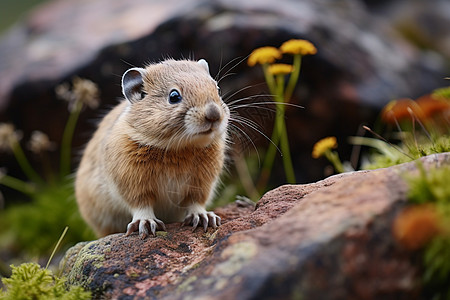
275,75
323,148
32,227
422,128
30,281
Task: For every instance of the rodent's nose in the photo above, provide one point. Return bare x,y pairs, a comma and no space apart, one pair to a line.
212,113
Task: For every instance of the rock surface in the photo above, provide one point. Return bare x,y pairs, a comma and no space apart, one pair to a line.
361,64
327,240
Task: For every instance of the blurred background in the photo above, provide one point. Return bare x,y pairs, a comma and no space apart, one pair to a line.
368,53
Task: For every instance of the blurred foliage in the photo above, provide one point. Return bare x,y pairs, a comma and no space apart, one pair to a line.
34,227
432,188
12,10
30,230
415,128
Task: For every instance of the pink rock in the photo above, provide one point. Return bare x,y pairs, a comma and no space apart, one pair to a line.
327,240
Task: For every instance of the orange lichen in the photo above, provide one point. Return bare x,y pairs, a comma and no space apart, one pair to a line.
399,110
430,106
416,226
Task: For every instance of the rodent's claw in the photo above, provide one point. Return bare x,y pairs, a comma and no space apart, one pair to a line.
214,220
206,219
144,227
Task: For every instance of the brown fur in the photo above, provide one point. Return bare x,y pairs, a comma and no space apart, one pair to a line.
141,155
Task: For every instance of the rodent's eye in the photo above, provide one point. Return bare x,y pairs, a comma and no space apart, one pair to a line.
175,97
143,95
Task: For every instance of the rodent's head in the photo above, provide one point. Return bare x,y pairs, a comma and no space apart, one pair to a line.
174,104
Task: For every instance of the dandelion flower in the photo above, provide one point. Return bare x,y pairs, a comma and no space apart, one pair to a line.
86,91
302,47
324,145
8,136
280,69
39,142
416,226
264,55
83,90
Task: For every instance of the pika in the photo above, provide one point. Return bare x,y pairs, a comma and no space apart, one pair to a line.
157,156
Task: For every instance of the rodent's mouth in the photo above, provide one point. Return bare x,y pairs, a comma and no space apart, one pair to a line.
206,132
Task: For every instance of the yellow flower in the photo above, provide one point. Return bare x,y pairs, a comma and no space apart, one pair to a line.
324,145
264,55
302,47
280,69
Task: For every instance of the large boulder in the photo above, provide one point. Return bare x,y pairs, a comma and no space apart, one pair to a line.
328,240
362,62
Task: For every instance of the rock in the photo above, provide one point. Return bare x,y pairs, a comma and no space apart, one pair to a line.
327,240
360,66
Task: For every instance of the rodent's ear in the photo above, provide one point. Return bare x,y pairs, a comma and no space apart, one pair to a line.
132,84
204,64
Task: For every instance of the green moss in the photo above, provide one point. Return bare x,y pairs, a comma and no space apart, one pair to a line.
442,93
86,255
410,149
30,281
186,285
432,187
161,233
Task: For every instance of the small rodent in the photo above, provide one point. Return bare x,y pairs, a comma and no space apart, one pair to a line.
157,156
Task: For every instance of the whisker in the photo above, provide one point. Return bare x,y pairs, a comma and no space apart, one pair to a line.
242,89
249,139
230,69
247,98
220,66
253,123
260,132
270,102
226,65
225,76
272,110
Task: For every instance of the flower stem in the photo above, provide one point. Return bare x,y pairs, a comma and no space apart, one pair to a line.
280,126
287,161
25,164
268,161
66,144
333,157
17,184
270,154
269,80
293,77
282,132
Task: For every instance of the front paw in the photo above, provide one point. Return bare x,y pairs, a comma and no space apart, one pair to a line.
145,226
194,218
